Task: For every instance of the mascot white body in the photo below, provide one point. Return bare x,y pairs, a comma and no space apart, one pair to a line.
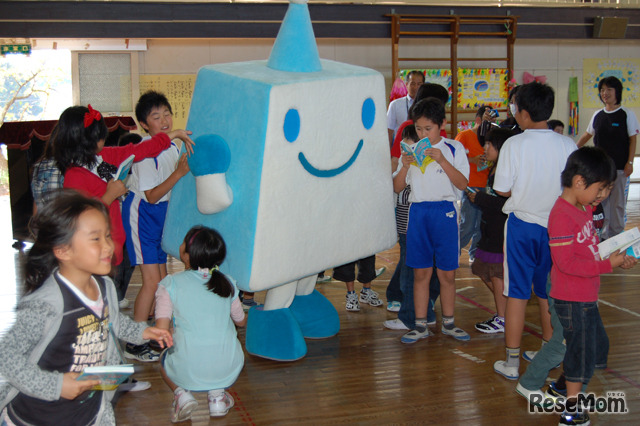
291,166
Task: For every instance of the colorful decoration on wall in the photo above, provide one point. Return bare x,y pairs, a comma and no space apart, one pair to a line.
574,112
626,70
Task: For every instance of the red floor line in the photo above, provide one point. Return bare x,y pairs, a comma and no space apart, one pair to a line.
622,377
537,334
239,406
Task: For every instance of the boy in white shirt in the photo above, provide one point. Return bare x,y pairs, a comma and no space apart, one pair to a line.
145,208
433,218
528,172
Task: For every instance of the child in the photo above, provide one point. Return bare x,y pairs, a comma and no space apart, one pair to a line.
575,275
556,125
204,303
552,353
489,256
65,320
433,223
46,179
473,142
366,274
89,167
145,208
402,272
614,129
402,279
528,172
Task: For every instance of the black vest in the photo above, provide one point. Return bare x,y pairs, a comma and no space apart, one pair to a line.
611,134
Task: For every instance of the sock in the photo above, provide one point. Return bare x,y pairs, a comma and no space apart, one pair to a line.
500,319
513,357
216,393
366,289
421,324
447,322
544,342
561,383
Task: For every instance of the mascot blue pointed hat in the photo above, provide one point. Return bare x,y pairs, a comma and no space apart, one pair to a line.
295,47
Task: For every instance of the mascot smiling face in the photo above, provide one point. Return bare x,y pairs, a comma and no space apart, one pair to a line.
302,143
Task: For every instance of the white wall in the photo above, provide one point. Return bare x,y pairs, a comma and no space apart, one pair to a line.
558,60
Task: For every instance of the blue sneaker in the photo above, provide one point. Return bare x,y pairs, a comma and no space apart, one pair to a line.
415,335
393,306
457,333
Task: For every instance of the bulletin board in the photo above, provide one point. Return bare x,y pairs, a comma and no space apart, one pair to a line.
476,86
177,88
626,70
482,86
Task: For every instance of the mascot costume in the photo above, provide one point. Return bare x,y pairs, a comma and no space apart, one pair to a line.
292,167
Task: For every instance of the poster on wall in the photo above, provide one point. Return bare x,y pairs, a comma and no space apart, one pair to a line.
482,86
626,70
177,88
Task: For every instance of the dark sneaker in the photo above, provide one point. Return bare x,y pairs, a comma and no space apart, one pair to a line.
142,353
491,326
574,419
555,393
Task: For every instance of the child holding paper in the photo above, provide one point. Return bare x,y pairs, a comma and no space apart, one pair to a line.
576,270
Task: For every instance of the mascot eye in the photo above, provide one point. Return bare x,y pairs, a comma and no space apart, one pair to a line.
368,113
291,125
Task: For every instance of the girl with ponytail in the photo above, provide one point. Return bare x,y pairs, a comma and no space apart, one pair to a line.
205,308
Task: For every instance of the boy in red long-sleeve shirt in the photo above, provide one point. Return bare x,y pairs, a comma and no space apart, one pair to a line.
575,274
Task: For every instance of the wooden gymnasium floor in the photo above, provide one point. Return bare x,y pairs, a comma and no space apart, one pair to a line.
364,375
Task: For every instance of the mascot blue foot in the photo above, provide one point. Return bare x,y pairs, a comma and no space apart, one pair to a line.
317,317
274,335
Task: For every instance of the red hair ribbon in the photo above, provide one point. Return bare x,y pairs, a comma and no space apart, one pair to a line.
90,116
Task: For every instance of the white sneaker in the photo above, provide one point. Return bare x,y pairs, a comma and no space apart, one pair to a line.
323,279
134,386
183,405
395,324
538,395
370,297
220,405
510,373
529,355
123,304
352,302
380,271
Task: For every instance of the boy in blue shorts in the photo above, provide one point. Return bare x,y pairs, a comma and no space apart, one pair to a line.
433,218
575,276
145,208
528,172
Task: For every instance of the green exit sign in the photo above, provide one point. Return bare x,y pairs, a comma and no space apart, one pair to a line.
15,48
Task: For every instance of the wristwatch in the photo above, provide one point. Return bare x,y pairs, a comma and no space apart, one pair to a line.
631,162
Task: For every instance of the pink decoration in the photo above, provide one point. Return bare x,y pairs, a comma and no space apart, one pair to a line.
398,90
528,78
